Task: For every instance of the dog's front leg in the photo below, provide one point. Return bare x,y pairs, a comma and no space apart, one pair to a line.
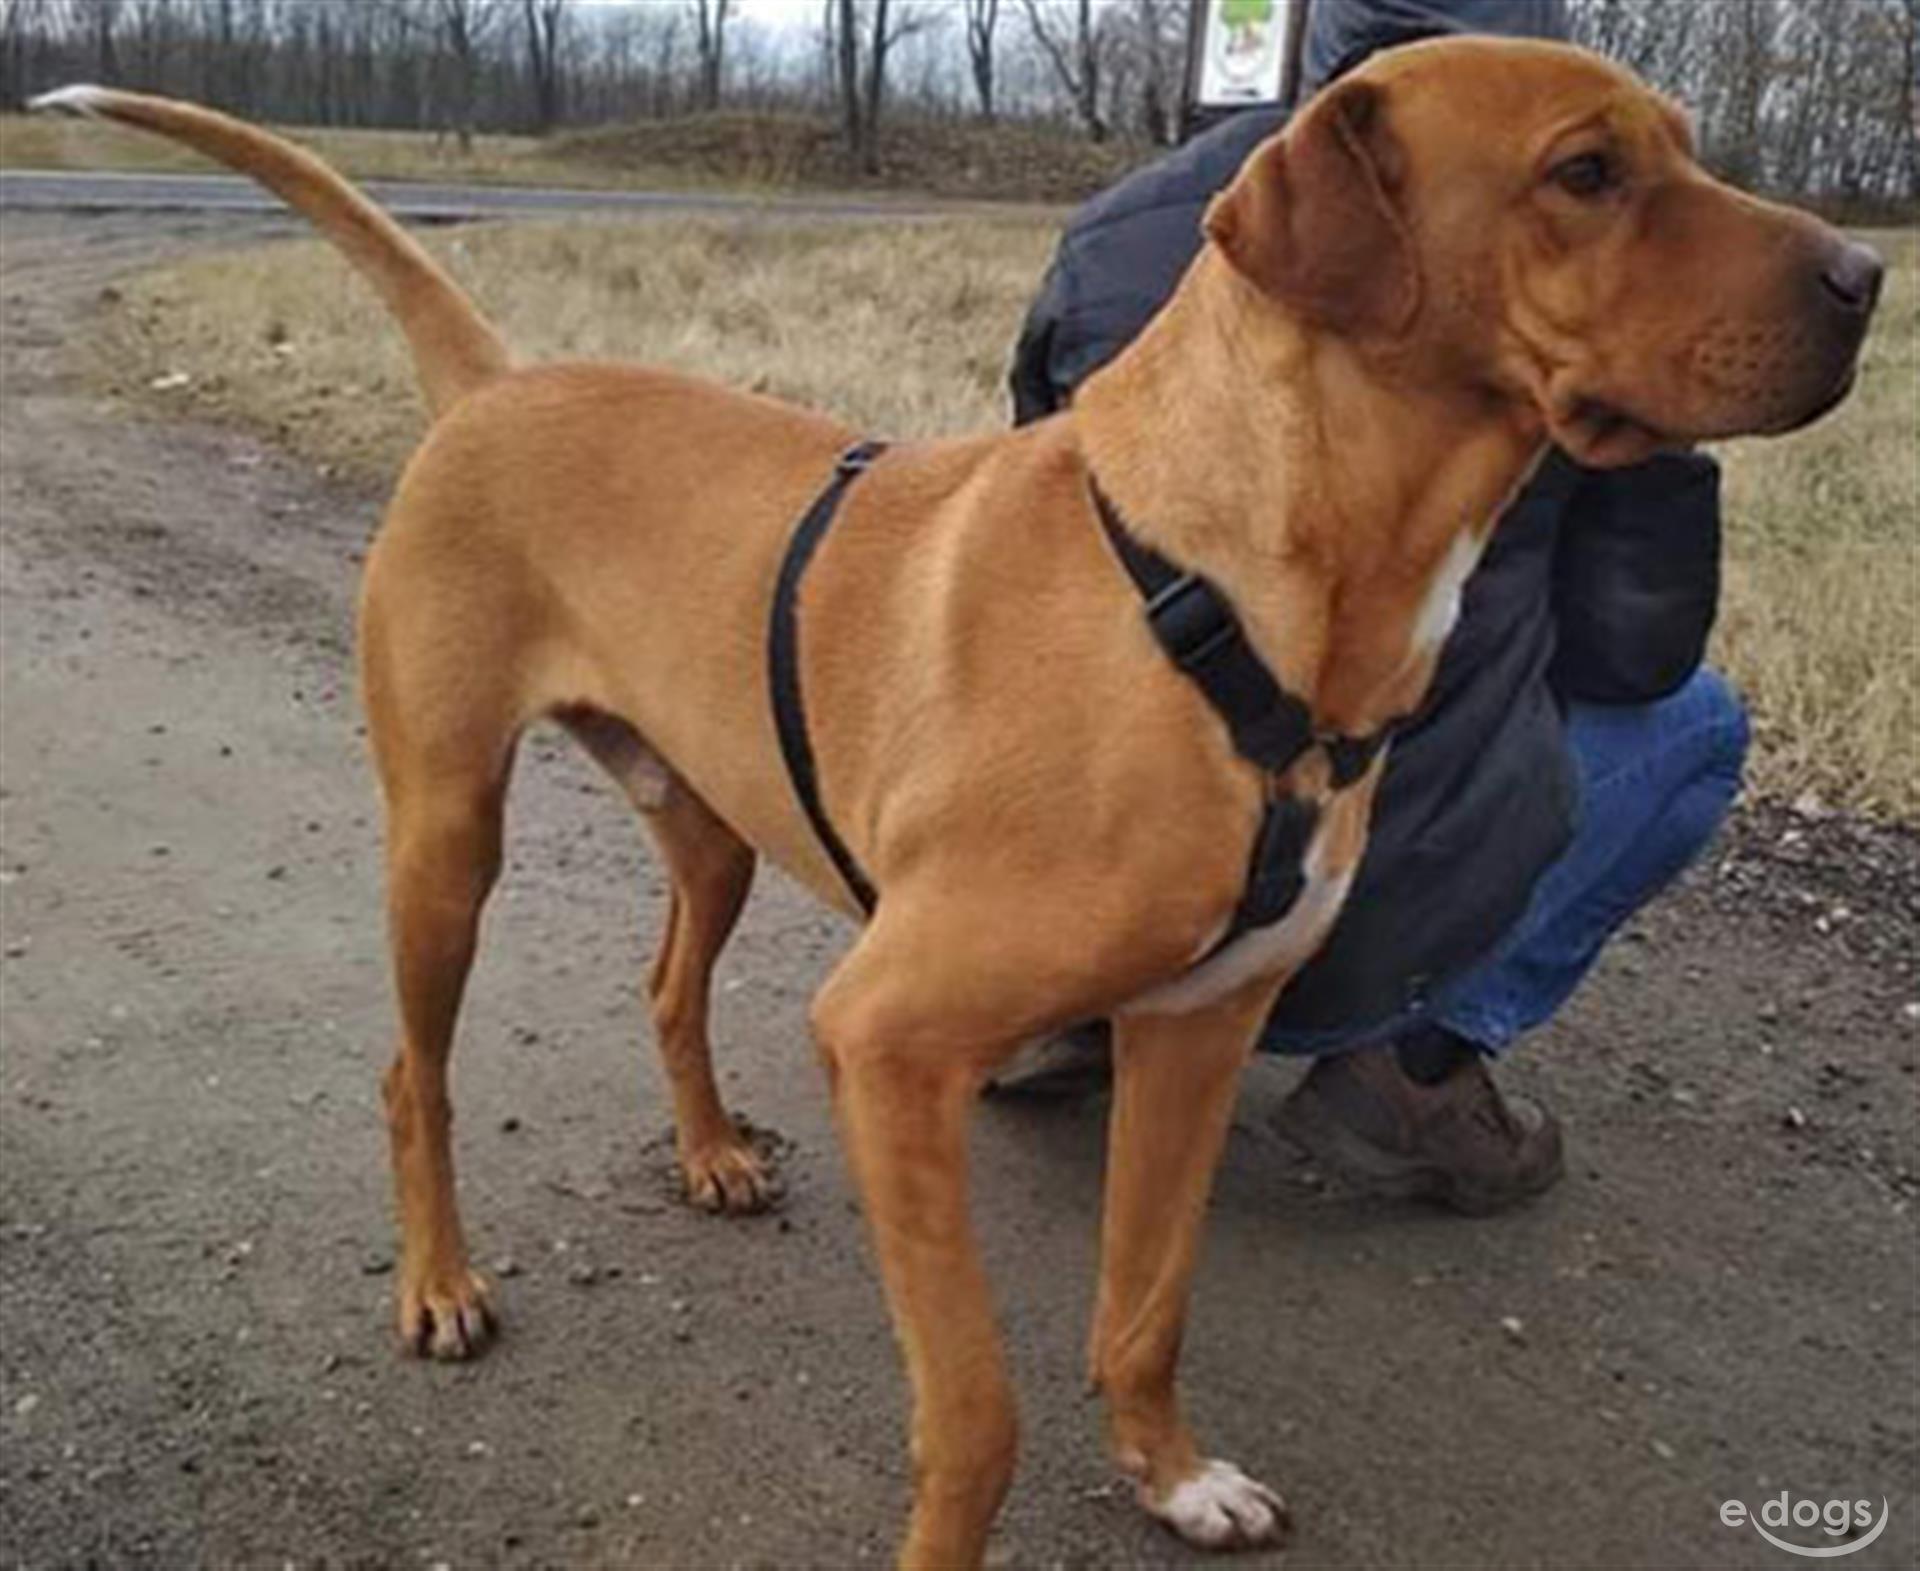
905,1080
1174,1083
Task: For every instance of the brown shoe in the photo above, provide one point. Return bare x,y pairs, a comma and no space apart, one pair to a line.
1460,1143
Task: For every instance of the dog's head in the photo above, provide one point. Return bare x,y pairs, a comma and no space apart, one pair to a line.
1529,219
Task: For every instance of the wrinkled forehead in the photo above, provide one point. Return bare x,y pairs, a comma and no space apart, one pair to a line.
1515,98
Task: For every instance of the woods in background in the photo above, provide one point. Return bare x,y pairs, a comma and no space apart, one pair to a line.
1813,98
1808,98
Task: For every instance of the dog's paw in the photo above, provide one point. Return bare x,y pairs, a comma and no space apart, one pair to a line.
447,1320
730,1176
1219,1507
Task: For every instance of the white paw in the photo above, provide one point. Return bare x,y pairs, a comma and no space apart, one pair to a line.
1221,1508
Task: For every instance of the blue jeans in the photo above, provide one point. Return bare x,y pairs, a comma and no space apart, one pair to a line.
1655,782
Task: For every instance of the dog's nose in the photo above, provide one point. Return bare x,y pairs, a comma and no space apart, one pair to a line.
1852,277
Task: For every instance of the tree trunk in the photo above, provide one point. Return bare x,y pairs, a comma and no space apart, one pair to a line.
106,64
847,53
877,44
544,19
982,15
710,43
1079,73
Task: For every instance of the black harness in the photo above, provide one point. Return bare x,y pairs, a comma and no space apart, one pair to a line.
783,666
1190,619
1271,728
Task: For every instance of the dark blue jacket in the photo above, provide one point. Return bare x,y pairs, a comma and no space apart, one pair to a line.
1597,586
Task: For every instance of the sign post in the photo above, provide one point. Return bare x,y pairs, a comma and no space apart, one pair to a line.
1241,54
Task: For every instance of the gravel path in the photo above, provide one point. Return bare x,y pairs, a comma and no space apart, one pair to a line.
1718,1304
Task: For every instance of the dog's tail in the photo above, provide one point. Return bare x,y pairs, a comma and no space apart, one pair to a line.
454,348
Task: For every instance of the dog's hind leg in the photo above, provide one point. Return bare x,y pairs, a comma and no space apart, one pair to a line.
443,743
711,869
443,855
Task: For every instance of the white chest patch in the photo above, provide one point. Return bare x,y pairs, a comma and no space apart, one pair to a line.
1263,951
1441,608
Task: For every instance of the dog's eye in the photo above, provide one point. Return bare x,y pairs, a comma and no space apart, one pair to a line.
1584,175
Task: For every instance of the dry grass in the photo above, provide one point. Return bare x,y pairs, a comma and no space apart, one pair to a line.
1820,620
59,142
905,329
762,153
943,158
901,327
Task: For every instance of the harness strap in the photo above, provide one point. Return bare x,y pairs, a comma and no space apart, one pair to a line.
783,666
1195,624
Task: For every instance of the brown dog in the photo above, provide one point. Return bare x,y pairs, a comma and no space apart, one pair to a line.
1463,251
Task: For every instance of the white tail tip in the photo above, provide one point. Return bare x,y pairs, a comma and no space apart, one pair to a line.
82,98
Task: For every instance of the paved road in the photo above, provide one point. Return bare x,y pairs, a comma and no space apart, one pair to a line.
86,191
195,1260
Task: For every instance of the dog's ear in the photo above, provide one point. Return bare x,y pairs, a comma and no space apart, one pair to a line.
1311,217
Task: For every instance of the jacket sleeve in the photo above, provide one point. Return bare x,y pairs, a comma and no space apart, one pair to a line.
1636,580
1035,390
1120,258
1107,280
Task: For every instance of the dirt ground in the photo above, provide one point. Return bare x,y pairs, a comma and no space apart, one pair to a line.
195,1355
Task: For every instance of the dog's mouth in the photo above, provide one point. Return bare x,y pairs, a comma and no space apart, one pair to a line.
1603,434
1824,405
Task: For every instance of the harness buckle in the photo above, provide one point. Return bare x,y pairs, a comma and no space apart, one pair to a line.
1349,757
856,459
1190,620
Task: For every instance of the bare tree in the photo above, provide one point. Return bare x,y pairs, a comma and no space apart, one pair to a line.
461,29
879,41
104,16
982,17
1906,112
1745,46
864,33
1075,62
710,45
29,36
844,18
546,22
1813,100
1145,47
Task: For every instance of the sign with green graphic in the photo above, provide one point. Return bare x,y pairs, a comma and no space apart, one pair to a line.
1243,52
